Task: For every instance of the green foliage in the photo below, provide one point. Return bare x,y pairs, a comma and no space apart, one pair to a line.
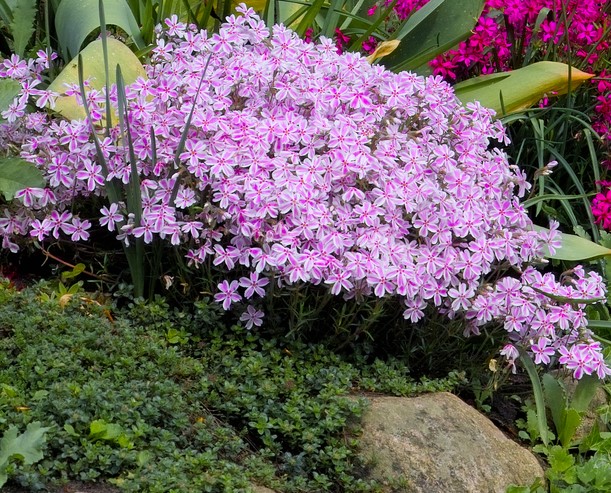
576,248
17,174
571,474
540,415
566,411
9,90
518,90
76,19
559,133
124,404
575,466
26,447
17,18
22,24
433,29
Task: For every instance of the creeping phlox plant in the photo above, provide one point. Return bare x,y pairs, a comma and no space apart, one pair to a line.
305,166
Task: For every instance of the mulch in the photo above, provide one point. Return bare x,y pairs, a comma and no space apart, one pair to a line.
72,487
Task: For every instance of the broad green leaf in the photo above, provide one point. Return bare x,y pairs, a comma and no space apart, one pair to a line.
433,29
17,174
143,457
97,428
560,459
278,11
22,25
520,89
576,249
585,391
77,19
26,447
9,90
75,272
555,400
100,429
68,428
572,420
93,69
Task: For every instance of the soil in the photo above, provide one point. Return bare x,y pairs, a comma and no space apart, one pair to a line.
72,487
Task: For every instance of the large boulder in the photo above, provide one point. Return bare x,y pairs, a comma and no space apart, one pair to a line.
436,443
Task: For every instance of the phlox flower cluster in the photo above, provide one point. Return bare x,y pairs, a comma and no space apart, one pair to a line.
490,48
305,166
573,29
580,24
602,123
601,207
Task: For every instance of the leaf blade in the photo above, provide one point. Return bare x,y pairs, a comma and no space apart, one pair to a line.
76,19
433,29
520,89
22,24
575,248
17,174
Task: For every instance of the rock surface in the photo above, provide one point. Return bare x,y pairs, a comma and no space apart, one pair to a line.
590,416
436,443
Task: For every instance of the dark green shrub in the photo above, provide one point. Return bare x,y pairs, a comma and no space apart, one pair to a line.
219,409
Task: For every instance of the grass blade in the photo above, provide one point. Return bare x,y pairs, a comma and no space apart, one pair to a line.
6,14
553,196
331,19
135,254
106,69
309,17
185,131
529,366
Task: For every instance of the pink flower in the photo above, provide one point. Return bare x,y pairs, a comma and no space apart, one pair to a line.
254,285
577,359
77,229
110,216
252,317
227,294
542,351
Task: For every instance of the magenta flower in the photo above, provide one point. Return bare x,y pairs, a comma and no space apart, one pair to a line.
29,196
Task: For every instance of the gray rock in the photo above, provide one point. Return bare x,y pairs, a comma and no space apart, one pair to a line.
436,443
